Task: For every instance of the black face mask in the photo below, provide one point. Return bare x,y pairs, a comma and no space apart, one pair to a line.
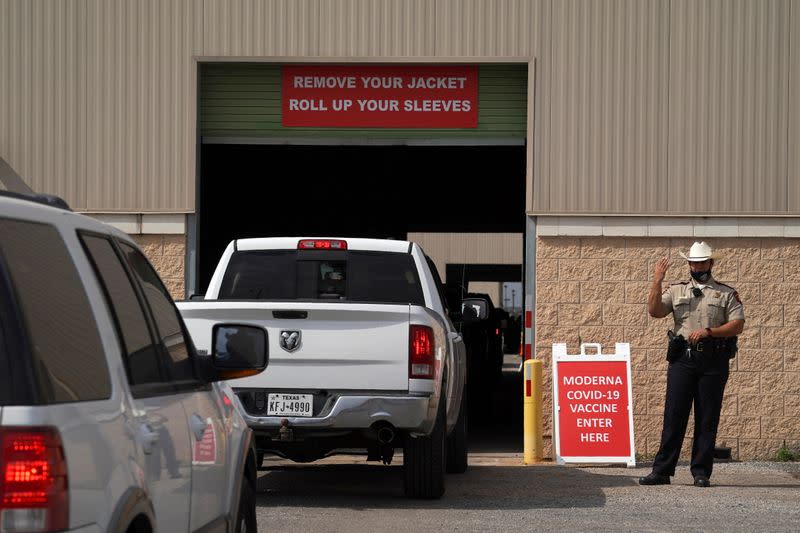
702,277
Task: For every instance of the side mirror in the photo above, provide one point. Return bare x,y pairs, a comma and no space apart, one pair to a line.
196,297
239,350
474,310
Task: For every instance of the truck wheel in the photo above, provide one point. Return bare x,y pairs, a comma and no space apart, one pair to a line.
457,440
424,460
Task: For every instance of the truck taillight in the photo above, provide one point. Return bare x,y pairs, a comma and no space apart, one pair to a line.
421,358
321,244
33,480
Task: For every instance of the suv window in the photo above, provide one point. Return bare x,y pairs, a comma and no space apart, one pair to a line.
69,362
165,314
5,360
374,277
140,351
12,391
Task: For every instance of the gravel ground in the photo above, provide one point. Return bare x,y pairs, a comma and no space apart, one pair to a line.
499,494
347,494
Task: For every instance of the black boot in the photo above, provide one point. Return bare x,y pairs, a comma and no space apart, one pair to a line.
654,479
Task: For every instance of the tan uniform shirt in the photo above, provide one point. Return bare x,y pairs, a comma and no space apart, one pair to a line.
718,305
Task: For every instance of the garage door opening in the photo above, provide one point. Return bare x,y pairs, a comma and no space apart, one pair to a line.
364,191
457,190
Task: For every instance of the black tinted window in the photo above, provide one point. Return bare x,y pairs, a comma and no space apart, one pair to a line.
142,354
379,277
384,278
165,314
5,361
13,390
260,276
69,361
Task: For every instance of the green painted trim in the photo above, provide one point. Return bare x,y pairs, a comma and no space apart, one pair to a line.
243,100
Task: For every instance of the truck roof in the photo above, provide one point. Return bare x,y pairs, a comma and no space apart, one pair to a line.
290,243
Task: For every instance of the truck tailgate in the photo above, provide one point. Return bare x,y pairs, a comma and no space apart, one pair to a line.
341,346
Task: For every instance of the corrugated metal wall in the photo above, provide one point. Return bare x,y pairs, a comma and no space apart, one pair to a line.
261,28
241,102
669,106
794,110
641,106
380,28
728,105
377,28
494,28
608,107
43,94
141,104
98,100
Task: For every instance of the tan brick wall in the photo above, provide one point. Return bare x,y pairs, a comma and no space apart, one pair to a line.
167,253
594,289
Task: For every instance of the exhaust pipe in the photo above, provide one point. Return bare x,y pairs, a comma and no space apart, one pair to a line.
385,434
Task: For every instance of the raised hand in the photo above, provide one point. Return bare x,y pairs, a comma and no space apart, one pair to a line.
661,269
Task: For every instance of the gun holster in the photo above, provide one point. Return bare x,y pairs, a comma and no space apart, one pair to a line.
731,347
677,346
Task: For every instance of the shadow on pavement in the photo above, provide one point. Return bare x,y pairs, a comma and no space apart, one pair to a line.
495,427
495,422
482,487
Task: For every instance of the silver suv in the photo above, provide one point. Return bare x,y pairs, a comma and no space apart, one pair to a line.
109,421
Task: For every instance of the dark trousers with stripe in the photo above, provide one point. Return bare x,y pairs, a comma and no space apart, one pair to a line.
693,379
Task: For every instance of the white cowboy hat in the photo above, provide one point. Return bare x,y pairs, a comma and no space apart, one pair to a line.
699,251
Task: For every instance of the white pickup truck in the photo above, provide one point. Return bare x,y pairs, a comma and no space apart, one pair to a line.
362,353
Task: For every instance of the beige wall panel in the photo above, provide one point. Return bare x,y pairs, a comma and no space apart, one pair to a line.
487,27
493,288
475,248
141,97
43,104
261,27
794,111
538,153
606,144
376,28
728,106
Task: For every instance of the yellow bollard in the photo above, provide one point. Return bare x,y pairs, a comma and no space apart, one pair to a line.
532,412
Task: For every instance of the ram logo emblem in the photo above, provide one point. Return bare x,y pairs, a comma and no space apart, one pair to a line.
290,340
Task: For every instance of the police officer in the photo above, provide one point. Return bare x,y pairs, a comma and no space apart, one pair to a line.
708,316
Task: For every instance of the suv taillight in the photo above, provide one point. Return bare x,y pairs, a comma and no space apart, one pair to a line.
421,358
33,480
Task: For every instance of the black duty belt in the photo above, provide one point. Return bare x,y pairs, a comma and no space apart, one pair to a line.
711,347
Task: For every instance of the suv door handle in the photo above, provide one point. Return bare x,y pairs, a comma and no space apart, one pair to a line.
147,438
198,427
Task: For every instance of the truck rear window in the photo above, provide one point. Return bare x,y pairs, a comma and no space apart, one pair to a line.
372,277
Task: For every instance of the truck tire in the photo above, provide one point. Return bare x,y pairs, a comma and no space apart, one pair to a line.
245,521
457,440
424,460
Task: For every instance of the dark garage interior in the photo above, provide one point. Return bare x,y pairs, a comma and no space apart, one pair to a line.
358,191
374,191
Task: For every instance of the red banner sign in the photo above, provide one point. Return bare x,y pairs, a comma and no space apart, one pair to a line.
344,96
593,417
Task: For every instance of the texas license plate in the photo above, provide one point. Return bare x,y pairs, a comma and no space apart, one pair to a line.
290,405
